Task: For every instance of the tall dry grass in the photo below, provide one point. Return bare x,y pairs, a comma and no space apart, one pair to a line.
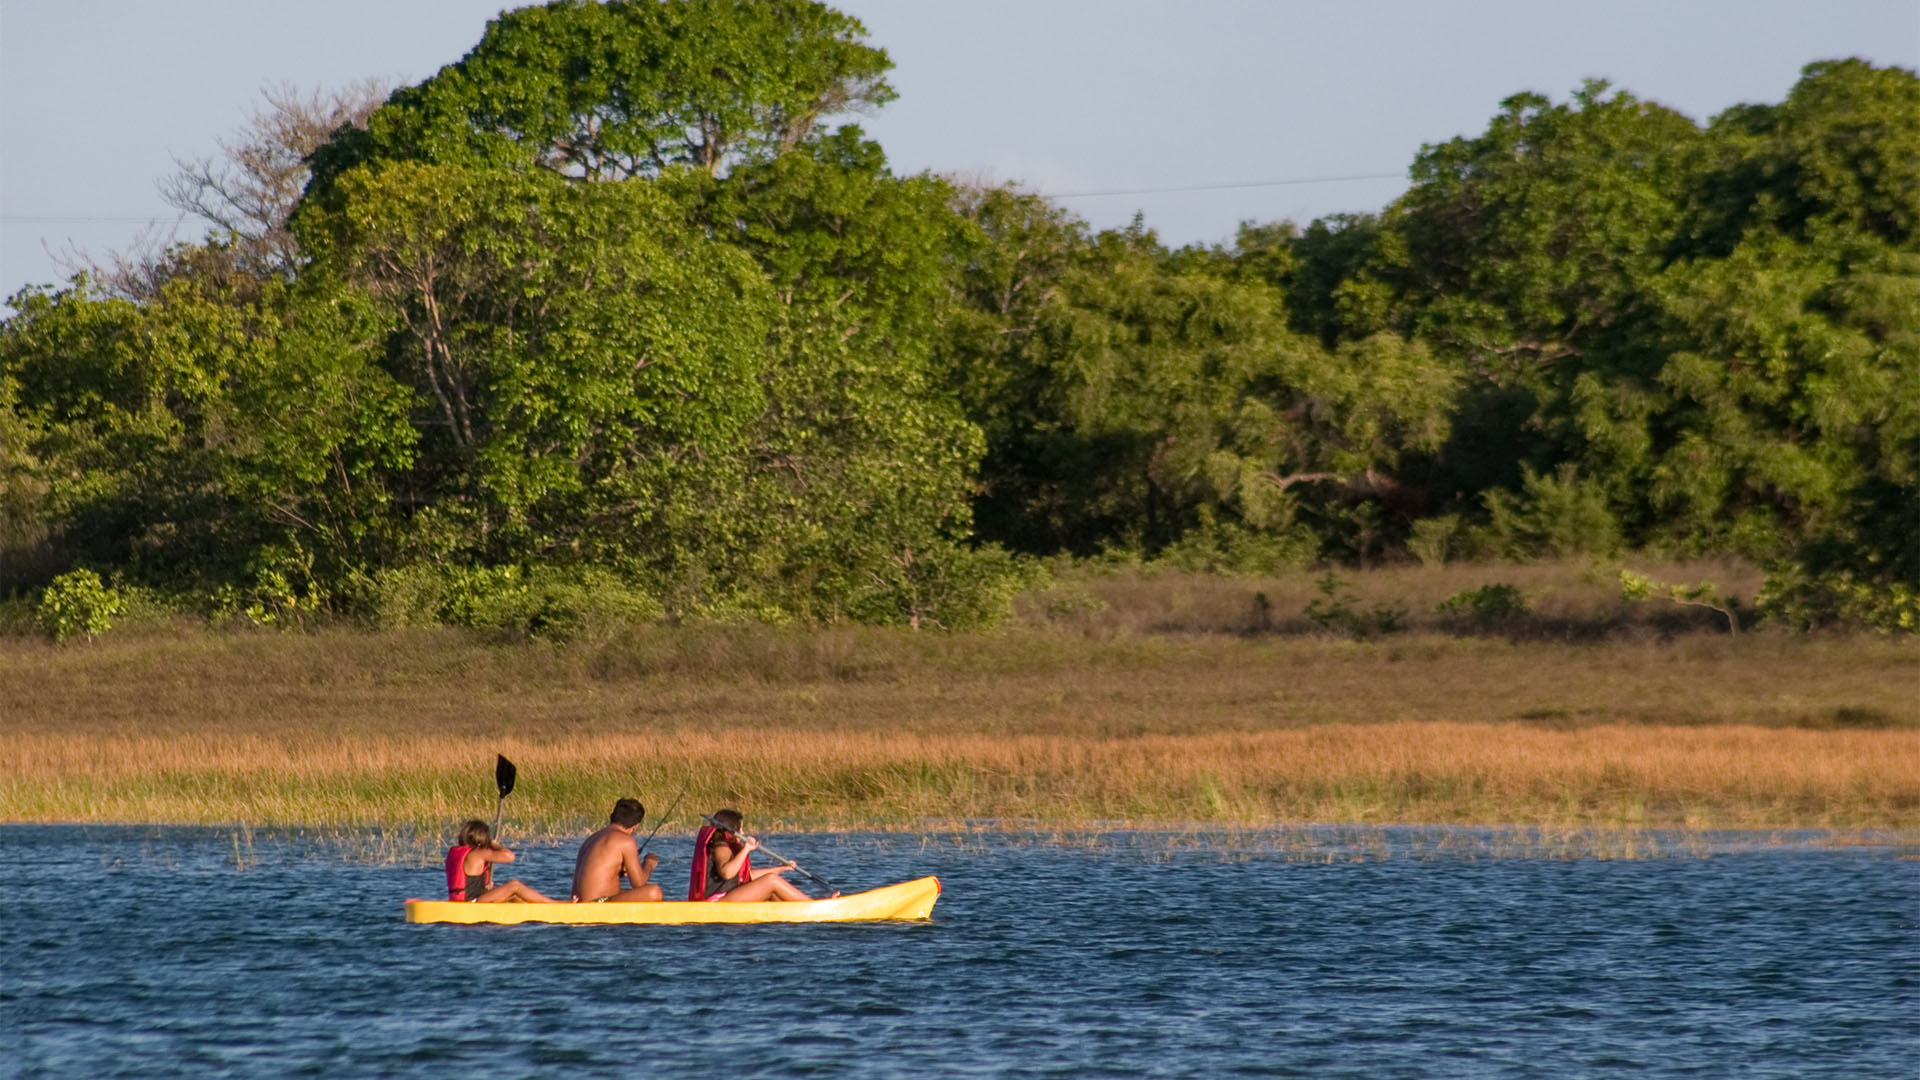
1438,772
1112,712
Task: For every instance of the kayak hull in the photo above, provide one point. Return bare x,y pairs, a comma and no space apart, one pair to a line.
907,900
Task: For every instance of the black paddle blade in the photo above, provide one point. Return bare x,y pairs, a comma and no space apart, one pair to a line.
503,774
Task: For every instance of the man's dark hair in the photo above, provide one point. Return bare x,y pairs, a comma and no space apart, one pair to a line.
627,812
730,820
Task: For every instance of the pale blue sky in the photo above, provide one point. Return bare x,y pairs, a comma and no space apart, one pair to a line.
1069,96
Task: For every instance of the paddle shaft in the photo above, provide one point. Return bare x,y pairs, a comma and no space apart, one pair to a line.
664,817
772,854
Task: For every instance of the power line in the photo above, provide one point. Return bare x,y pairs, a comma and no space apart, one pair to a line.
35,219
1224,187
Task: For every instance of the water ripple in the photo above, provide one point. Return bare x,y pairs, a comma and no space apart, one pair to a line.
143,952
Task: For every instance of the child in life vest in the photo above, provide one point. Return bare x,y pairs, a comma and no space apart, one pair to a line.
470,870
723,866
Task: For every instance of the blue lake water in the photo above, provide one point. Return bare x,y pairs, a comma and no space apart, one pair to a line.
1377,954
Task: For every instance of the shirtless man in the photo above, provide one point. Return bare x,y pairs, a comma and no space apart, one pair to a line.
611,852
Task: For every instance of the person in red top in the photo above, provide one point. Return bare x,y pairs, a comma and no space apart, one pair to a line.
723,866
470,870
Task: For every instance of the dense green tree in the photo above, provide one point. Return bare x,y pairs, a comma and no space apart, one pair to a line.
117,409
572,346
1525,246
857,463
862,463
1789,425
1840,153
1133,395
607,319
629,88
202,437
25,556
1610,276
1769,375
1331,272
1519,255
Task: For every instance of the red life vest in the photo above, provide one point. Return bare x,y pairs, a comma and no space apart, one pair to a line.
457,872
702,844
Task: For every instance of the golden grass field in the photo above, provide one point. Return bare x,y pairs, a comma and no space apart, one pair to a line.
1129,699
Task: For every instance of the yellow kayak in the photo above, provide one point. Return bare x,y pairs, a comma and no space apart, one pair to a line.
907,900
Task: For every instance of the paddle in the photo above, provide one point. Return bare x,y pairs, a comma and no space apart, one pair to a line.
772,854
503,775
664,817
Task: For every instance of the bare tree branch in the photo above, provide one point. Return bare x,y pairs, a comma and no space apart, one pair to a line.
246,193
252,187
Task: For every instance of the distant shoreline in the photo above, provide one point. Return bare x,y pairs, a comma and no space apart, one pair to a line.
842,728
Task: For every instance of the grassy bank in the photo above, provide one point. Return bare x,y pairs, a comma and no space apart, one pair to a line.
1119,699
1392,772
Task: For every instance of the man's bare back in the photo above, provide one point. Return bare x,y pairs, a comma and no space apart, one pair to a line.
603,858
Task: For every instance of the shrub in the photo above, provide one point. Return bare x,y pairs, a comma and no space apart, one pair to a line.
481,597
1060,602
566,604
1837,598
1436,540
18,615
402,596
1486,605
946,586
1335,611
140,603
556,603
77,602
1231,548
280,589
1559,515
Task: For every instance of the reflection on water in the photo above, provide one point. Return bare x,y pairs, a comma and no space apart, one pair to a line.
1311,952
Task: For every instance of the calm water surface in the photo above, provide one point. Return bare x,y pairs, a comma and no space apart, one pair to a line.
148,952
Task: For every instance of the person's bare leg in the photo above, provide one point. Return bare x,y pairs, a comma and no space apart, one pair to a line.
787,890
644,893
760,888
515,890
767,887
531,895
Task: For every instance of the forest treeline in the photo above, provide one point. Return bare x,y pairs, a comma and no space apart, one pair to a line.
619,312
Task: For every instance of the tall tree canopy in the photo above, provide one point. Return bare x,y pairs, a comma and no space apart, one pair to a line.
854,464
571,347
618,309
1132,395
629,88
1698,338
